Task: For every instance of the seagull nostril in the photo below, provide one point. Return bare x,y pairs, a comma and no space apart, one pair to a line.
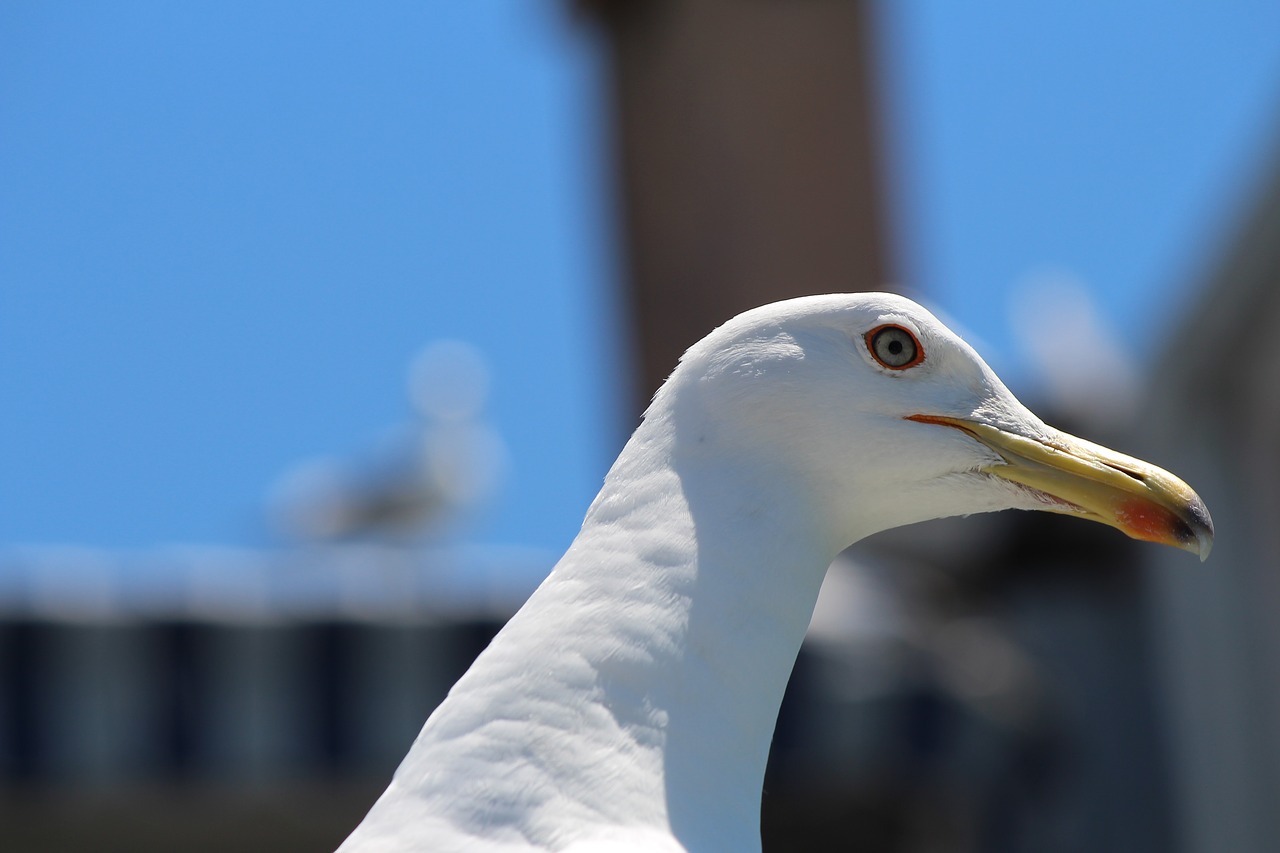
1136,475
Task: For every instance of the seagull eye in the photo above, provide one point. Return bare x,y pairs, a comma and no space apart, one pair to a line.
894,347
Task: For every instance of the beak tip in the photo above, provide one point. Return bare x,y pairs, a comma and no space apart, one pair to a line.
1202,524
1194,532
1204,544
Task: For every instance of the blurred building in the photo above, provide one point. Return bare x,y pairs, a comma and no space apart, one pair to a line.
1214,415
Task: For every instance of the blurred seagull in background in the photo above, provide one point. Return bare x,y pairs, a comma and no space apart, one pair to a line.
420,476
630,704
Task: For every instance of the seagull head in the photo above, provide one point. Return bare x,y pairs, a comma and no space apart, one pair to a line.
887,417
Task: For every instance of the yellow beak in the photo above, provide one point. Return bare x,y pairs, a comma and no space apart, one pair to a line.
1077,477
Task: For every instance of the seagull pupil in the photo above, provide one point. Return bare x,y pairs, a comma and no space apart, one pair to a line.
895,347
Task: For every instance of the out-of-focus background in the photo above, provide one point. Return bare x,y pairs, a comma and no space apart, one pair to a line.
320,324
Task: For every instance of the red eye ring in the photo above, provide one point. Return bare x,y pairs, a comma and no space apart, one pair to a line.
894,347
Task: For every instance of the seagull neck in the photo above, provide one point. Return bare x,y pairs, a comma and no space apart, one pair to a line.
640,684
725,560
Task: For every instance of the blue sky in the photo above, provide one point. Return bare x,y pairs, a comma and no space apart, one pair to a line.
226,228
1114,142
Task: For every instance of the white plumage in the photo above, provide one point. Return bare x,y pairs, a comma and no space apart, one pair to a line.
630,704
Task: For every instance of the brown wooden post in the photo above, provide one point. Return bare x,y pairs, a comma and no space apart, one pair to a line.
748,157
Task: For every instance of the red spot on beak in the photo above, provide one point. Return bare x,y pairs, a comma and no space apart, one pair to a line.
1147,521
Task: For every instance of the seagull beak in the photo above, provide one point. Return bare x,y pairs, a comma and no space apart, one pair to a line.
1076,477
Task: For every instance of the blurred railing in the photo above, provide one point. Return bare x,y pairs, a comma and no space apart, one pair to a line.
234,666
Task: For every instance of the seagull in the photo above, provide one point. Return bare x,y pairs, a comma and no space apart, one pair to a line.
630,704
420,478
